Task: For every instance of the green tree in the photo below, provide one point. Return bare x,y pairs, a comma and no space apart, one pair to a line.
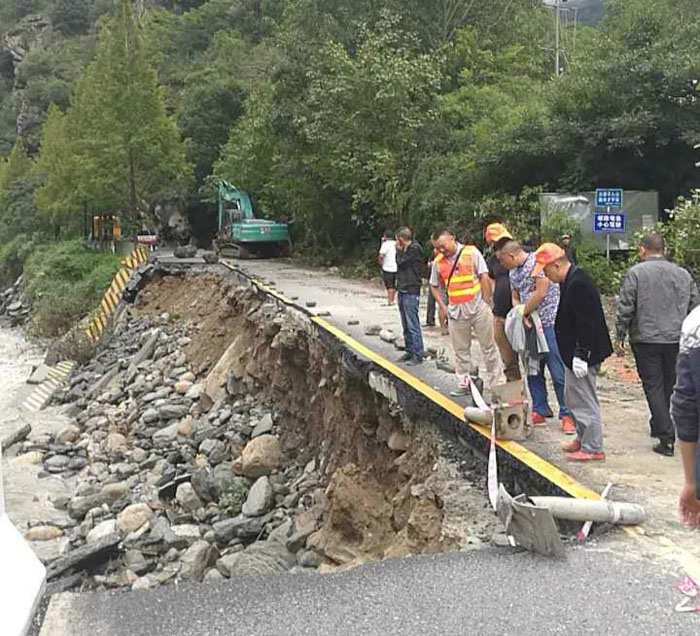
18,214
59,196
127,153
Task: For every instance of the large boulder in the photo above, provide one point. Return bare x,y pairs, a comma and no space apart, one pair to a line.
260,457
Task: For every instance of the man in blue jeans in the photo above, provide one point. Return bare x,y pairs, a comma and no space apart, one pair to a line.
409,277
538,293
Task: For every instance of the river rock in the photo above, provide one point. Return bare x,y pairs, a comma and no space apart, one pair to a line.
68,434
259,498
101,530
227,562
203,483
57,463
79,506
264,558
187,497
182,386
166,435
136,562
198,558
264,426
181,536
133,517
260,457
43,533
240,527
116,443
194,392
186,427
150,415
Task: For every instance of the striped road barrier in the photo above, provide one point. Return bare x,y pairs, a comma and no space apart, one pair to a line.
113,295
55,377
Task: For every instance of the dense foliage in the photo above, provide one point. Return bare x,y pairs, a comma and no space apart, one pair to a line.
345,116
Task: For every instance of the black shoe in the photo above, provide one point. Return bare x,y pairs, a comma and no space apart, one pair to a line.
404,358
429,324
414,362
663,447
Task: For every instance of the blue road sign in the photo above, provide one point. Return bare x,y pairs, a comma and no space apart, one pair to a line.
608,198
609,222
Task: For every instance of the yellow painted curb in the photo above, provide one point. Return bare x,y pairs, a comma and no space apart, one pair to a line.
112,296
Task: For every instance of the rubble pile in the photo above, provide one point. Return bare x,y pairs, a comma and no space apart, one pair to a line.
169,484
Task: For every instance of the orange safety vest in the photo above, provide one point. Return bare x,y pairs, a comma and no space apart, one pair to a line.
464,285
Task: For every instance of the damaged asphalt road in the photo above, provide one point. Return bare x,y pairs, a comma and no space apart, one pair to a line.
476,592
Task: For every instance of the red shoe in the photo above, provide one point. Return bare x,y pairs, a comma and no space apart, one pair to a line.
538,420
583,456
572,447
567,425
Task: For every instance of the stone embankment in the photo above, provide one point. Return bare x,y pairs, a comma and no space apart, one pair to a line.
217,435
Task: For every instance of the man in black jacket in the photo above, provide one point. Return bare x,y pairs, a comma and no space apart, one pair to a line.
584,342
409,276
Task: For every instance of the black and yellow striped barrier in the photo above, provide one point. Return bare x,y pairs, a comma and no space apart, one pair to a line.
113,295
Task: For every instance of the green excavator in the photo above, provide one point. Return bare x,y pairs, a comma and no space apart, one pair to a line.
240,234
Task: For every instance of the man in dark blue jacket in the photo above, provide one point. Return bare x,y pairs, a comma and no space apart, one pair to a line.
685,413
584,342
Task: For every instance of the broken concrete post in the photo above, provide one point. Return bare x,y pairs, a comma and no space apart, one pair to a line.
596,510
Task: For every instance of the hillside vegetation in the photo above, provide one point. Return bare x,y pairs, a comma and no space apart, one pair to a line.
346,116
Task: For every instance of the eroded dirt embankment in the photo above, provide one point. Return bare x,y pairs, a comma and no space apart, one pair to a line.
389,491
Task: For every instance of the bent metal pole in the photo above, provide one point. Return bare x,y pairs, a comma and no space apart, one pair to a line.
596,510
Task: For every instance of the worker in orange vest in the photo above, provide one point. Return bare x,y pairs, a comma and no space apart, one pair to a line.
462,270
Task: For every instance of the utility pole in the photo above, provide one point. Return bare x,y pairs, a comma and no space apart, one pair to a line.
557,37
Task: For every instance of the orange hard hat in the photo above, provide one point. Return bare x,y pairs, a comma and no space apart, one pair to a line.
495,232
546,254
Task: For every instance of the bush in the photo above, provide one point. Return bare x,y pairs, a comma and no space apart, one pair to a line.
65,281
232,499
12,257
607,275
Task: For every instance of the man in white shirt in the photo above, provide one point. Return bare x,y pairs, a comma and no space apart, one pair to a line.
387,260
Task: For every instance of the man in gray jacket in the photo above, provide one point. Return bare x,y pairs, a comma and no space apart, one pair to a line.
655,298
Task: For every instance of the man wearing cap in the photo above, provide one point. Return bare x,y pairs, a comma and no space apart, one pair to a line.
538,293
584,342
496,235
462,270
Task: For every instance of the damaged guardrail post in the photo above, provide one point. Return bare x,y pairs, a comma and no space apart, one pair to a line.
595,510
22,576
531,520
